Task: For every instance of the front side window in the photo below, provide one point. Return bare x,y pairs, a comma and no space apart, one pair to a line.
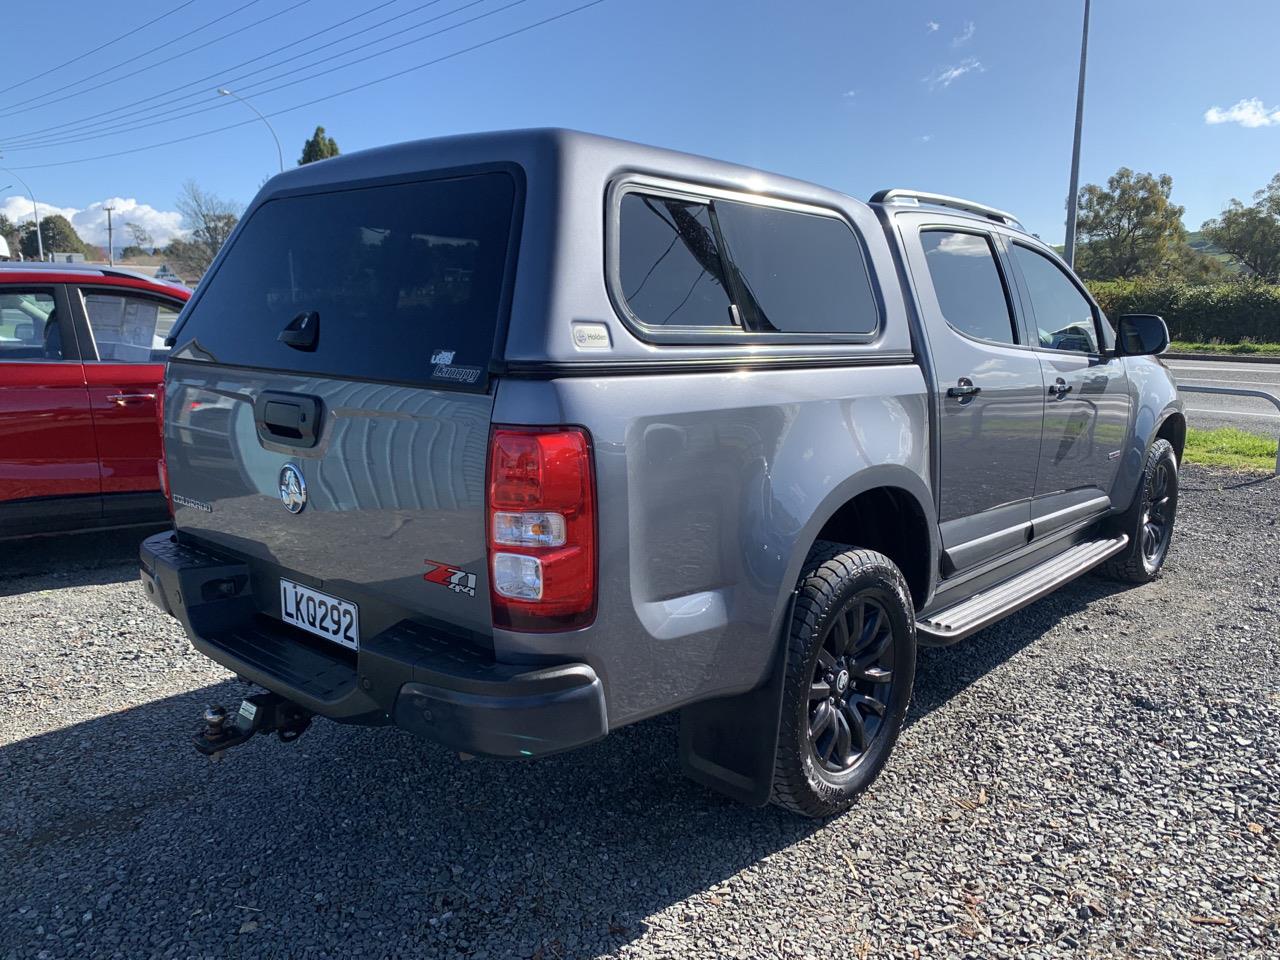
1063,316
967,283
743,266
29,328
128,328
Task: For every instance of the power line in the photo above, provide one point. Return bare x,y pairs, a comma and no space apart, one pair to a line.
293,82
90,130
101,46
133,128
100,118
155,63
331,96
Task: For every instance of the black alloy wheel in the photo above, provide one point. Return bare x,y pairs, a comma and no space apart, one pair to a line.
1149,521
852,685
849,667
1157,521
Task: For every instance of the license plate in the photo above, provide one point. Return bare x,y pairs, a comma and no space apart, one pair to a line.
321,614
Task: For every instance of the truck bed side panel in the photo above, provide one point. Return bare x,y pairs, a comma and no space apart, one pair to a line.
711,488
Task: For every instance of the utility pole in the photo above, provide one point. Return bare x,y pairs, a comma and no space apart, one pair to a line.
111,253
1069,246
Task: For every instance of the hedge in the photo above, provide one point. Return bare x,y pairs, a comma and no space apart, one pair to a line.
1225,312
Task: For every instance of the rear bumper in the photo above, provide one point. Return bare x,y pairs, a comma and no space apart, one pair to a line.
409,675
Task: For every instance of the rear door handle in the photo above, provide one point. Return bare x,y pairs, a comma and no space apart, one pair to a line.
964,388
124,399
1059,388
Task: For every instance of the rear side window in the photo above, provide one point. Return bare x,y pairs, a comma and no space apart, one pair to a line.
128,328
404,282
671,269
739,266
967,284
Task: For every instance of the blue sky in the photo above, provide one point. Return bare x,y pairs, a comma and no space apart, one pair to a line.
956,96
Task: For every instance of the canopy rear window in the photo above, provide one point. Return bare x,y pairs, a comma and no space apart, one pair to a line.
404,283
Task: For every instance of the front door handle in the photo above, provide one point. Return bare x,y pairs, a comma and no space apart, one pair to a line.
964,388
1059,388
124,399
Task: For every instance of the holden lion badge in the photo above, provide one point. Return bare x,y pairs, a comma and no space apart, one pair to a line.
293,489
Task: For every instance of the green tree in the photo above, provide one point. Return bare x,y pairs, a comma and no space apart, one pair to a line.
319,147
1129,228
58,234
1251,235
1193,266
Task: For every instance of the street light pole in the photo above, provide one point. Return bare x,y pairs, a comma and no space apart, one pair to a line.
1069,246
224,92
111,251
35,209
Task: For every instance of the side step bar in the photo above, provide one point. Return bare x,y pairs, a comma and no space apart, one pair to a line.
983,609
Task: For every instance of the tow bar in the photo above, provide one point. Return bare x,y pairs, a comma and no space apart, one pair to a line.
261,713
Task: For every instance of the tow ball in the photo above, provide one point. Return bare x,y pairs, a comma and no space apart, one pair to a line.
261,713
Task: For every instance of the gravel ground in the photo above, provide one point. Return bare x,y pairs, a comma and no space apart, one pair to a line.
1096,776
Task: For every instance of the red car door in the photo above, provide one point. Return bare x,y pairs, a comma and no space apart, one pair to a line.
124,367
48,458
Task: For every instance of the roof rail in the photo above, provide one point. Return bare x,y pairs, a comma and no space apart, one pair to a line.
913,197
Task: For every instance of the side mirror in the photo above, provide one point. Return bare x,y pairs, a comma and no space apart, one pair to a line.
1141,335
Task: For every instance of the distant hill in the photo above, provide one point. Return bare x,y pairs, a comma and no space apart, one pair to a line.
1196,240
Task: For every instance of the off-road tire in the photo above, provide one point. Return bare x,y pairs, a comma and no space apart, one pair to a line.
1137,563
833,580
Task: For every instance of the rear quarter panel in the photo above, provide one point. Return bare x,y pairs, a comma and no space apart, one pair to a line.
711,489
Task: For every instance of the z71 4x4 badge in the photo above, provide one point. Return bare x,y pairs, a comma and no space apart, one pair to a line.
459,581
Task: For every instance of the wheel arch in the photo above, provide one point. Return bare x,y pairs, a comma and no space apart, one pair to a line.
729,743
1173,427
861,512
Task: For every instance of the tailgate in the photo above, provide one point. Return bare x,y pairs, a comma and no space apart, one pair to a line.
327,406
393,488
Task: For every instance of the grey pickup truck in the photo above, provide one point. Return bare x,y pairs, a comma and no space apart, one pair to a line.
512,439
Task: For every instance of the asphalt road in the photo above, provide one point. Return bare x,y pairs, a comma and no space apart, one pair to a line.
1093,777
1245,413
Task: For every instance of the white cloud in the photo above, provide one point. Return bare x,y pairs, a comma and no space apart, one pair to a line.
91,221
849,94
1248,113
949,75
965,35
925,138
963,245
932,26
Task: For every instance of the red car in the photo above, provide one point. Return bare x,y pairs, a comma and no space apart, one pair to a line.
81,362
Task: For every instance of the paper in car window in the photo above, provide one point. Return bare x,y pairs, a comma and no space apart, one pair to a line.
137,331
123,329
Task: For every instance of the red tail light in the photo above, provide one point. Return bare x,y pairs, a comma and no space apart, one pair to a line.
542,528
162,468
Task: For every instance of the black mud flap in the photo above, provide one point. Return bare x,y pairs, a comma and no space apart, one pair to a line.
729,744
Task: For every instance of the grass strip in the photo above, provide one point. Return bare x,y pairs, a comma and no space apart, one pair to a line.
1236,349
1229,447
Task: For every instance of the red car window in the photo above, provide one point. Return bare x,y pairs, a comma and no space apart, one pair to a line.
128,327
29,327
